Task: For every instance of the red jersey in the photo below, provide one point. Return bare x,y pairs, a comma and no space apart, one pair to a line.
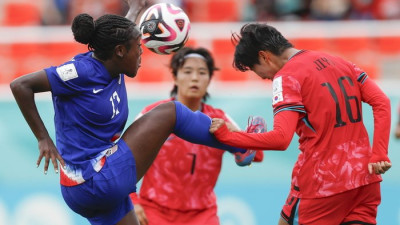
183,175
327,92
334,143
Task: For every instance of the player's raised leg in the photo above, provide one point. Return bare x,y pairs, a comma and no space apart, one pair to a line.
147,134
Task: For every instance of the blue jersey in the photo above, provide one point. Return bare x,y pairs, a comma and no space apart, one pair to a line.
91,110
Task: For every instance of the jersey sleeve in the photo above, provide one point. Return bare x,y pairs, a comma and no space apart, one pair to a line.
380,103
68,79
286,95
277,139
134,198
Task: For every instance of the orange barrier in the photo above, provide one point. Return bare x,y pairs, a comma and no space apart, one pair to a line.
388,45
21,14
17,59
212,10
316,44
360,50
223,51
22,58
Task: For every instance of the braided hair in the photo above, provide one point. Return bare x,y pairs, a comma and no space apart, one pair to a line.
103,34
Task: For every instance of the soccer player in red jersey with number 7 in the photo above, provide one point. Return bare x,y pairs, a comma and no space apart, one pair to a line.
336,179
179,186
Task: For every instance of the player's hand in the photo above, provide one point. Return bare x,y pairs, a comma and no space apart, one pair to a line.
141,215
216,124
48,150
379,167
231,127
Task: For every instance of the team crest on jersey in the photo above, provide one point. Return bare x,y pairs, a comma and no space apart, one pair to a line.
277,90
67,72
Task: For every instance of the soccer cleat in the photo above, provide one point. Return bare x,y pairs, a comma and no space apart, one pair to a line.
254,125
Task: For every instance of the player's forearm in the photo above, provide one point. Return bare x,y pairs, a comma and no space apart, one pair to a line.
277,139
272,140
132,14
380,104
135,6
382,120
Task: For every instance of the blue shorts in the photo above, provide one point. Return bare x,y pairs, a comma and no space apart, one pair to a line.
104,199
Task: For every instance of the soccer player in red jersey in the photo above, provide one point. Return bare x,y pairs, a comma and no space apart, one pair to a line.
336,179
179,186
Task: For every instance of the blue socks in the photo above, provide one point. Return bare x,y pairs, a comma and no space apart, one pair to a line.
193,127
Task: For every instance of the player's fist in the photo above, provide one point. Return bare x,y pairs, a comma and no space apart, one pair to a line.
379,167
216,124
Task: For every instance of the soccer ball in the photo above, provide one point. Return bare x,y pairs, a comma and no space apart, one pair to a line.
165,28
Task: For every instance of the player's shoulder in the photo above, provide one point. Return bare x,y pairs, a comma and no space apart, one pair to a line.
325,58
81,65
306,62
88,64
297,65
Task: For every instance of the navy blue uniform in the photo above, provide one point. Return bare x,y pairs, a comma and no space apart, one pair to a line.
91,110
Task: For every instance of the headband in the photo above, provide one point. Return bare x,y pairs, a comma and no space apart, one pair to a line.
194,55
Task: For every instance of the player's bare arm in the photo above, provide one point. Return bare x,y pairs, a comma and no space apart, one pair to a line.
141,215
23,90
135,6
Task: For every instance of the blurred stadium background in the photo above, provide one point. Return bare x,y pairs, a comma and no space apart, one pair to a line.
36,34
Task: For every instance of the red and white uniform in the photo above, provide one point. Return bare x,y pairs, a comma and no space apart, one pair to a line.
327,92
181,179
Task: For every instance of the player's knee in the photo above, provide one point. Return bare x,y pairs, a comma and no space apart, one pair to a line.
165,110
282,222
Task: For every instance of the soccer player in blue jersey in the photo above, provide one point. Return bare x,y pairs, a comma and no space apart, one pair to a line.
99,167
